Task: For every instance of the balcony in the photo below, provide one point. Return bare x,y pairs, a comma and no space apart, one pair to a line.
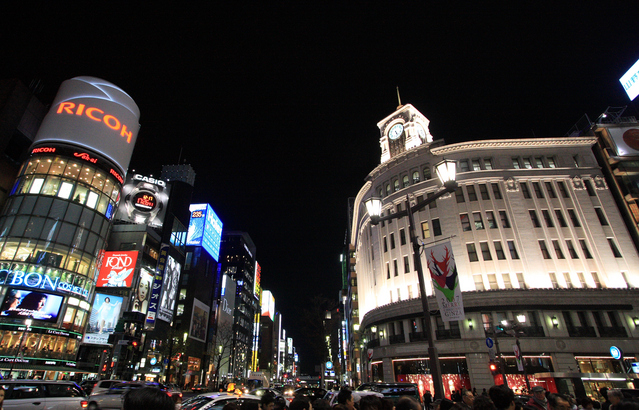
612,332
533,331
394,339
372,343
446,334
417,337
581,331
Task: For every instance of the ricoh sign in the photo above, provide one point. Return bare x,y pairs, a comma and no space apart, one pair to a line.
94,114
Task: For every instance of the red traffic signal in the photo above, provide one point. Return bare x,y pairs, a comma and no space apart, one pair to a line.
134,343
493,368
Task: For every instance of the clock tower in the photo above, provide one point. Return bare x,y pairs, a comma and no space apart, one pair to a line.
404,129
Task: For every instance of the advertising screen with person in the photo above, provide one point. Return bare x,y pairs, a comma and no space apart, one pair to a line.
169,289
142,292
25,304
104,317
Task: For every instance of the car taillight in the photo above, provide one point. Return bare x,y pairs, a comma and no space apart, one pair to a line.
84,404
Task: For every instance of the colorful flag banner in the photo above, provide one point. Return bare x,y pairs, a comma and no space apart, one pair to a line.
443,271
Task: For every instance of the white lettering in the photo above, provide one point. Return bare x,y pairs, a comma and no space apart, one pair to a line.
150,180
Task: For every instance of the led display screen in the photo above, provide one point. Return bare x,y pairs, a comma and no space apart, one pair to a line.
104,316
142,292
117,269
268,304
630,81
169,289
25,304
95,114
205,229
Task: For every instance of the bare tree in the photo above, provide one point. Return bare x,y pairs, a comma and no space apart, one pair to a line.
222,346
174,348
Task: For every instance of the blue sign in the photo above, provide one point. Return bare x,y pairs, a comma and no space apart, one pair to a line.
489,342
329,365
205,229
616,352
153,361
156,290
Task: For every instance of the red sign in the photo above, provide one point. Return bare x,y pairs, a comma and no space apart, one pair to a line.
117,269
96,114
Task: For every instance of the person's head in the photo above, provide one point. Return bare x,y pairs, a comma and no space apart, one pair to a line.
33,301
300,403
502,397
615,396
539,393
267,401
107,300
387,404
143,290
345,397
147,398
558,402
280,403
250,405
483,403
446,404
586,403
407,403
370,402
468,398
604,392
321,404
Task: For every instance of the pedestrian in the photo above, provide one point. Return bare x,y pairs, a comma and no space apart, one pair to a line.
467,400
503,398
407,403
558,402
604,393
301,403
538,400
345,397
369,403
147,398
615,396
482,402
267,401
428,399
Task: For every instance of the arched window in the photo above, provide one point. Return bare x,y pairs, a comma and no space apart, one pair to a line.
396,185
415,177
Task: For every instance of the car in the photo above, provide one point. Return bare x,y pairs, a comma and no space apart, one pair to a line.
173,389
260,391
112,399
43,394
331,396
312,393
216,401
393,391
88,385
103,386
199,388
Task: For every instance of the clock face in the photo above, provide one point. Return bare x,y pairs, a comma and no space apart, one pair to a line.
395,131
421,132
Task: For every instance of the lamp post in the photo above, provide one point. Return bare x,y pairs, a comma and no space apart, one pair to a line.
521,319
27,323
446,173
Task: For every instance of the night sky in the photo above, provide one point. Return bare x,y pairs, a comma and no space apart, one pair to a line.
275,104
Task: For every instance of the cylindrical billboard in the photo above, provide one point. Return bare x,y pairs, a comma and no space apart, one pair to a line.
94,114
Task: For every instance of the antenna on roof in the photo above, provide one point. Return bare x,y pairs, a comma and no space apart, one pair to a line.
399,99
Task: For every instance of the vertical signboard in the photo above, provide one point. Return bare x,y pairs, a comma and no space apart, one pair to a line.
205,229
443,271
170,283
199,321
104,316
156,290
225,319
630,81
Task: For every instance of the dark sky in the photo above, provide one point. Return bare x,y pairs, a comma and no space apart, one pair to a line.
275,104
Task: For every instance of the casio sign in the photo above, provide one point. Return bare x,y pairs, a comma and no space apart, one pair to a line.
150,180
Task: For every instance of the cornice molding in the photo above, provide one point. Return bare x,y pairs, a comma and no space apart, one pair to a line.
515,143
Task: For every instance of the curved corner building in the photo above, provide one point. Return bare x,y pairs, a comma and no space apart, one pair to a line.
538,241
55,223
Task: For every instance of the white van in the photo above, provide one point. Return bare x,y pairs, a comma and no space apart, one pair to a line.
43,394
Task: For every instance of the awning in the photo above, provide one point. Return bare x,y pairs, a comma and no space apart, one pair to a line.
29,366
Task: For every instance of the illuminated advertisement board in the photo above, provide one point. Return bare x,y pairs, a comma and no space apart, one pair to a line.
156,289
630,81
28,304
169,289
205,229
626,141
257,286
199,321
104,316
95,114
117,269
268,304
49,279
142,292
144,201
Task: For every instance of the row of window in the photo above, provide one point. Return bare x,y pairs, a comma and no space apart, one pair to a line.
533,162
571,249
484,192
404,181
478,221
486,253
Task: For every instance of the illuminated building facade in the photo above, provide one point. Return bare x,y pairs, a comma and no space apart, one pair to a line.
55,224
535,234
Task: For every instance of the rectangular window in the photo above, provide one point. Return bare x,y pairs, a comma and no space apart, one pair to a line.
582,280
496,191
527,163
504,219
395,266
551,162
584,248
459,195
387,270
499,250
479,223
485,251
539,162
402,236
550,190
613,248
476,166
479,282
601,216
562,189
488,163
465,222
463,166
595,278
507,283
425,230
513,250
568,280
516,163
573,218
589,188
433,204
534,219
36,186
483,190
472,195
553,280
426,172
490,219
547,218
560,218
392,240
544,250
437,229
538,192
524,189
571,249
558,251
406,265
520,279
492,281
65,190
385,245
472,252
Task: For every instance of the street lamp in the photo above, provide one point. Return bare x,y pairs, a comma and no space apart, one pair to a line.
446,172
27,323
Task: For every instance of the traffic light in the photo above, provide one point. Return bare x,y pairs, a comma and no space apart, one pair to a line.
493,369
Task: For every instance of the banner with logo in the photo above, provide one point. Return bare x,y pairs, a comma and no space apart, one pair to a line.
156,290
443,271
117,269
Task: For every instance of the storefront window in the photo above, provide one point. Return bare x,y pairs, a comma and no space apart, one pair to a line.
598,365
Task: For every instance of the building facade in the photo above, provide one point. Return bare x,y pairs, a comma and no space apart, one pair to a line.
538,242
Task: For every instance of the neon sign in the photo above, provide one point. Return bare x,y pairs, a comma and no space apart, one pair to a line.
42,281
144,201
109,120
44,149
85,156
116,175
